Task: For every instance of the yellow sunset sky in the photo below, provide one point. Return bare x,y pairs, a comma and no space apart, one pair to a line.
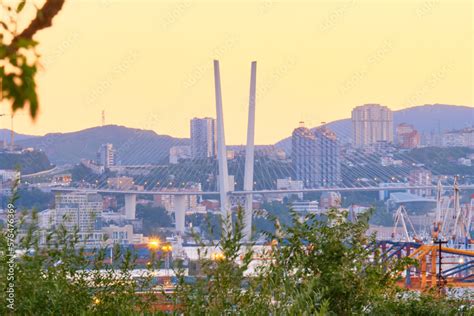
148,64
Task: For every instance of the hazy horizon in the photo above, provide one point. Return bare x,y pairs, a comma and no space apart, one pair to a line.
228,144
149,64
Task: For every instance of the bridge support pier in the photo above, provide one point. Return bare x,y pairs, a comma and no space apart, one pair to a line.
179,213
130,206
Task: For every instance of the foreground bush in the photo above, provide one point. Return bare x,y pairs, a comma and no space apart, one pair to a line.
313,267
59,278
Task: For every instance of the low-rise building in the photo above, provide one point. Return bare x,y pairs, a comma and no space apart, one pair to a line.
7,175
421,177
465,162
62,179
122,235
47,219
211,205
305,206
407,136
178,153
287,184
330,200
459,138
386,161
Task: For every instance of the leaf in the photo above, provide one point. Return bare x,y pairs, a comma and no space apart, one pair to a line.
5,26
26,43
21,5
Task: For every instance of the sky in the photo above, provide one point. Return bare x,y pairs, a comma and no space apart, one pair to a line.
148,64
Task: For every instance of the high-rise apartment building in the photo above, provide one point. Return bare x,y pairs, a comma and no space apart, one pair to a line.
81,212
203,138
106,156
315,157
371,124
304,155
329,155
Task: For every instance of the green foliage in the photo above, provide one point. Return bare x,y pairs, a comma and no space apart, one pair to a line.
28,161
58,279
19,59
18,84
153,218
382,216
221,287
273,211
55,275
313,267
442,160
33,199
81,173
330,262
423,304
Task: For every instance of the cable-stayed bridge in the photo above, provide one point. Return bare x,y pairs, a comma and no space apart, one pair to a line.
260,192
254,172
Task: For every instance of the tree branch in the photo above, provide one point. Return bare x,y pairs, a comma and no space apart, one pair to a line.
44,19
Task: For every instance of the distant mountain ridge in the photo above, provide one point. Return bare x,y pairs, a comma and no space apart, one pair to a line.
5,133
137,146
134,146
426,119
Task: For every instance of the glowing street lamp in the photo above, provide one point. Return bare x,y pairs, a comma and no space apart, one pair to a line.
219,256
154,243
167,248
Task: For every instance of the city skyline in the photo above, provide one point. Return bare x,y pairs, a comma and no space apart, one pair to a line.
316,68
144,169
345,134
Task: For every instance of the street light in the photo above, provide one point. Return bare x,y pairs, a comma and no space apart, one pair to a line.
154,243
219,256
167,248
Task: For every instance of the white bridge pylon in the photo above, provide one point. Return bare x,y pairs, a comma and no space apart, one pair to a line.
249,154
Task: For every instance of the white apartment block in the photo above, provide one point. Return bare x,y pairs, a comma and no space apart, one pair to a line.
81,212
371,124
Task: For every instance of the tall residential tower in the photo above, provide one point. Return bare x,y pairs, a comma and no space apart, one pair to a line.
315,156
371,124
106,156
81,212
304,155
203,138
329,155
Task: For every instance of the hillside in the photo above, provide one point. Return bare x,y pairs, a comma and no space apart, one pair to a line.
426,118
28,161
134,146
6,134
